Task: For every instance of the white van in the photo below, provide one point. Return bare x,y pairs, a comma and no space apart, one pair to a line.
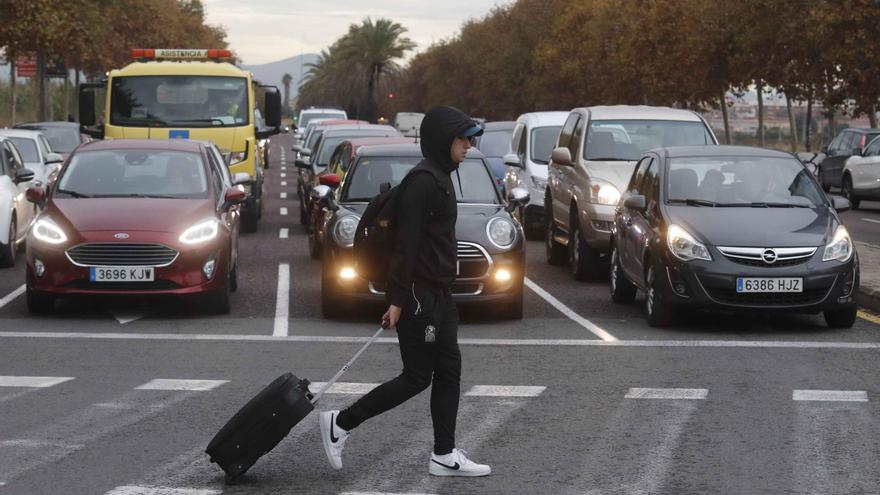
408,123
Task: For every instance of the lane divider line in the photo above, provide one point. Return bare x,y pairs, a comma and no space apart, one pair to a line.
283,211
282,301
667,393
283,233
12,295
160,490
284,195
830,395
580,320
871,220
284,183
173,384
33,381
504,391
283,175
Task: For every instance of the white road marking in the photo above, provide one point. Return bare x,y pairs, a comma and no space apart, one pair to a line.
283,168
350,388
320,339
124,317
189,385
283,233
36,444
160,490
871,220
830,395
32,381
283,175
667,393
284,183
282,302
504,391
580,320
283,211
381,493
284,195
12,295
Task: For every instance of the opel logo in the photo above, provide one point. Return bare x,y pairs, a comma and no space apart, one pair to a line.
769,256
121,235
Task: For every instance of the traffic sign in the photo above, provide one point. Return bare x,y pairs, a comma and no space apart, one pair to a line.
26,65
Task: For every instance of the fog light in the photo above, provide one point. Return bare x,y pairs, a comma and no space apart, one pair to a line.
209,267
347,273
39,268
502,275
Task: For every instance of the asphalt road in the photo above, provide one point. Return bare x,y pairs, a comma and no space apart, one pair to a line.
580,397
864,223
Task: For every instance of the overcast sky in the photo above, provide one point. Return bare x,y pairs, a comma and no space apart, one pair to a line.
261,31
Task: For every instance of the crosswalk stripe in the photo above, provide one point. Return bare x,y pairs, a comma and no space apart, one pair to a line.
283,211
12,295
283,183
830,395
344,387
190,385
159,490
667,393
504,391
283,175
284,195
32,381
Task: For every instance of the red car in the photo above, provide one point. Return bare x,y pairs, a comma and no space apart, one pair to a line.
136,218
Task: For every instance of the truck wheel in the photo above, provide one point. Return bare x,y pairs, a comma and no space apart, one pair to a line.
622,290
583,261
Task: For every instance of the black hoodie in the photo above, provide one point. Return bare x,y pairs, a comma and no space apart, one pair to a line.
425,249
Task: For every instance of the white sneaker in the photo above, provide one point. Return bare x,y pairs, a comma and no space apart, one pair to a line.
456,464
333,437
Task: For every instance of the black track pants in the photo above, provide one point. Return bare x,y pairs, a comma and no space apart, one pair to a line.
425,363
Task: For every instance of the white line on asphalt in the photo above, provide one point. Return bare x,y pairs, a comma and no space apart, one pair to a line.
580,320
284,183
871,220
33,381
124,317
351,388
28,443
667,393
320,339
160,490
12,295
282,301
283,175
283,233
381,493
504,391
830,395
283,211
284,195
283,168
172,384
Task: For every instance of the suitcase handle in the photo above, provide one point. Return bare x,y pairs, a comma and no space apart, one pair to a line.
348,364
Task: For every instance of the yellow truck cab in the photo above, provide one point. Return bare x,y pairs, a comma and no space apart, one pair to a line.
189,94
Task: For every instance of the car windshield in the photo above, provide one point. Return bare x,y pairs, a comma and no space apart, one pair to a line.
370,173
314,115
62,139
328,144
134,173
313,138
628,140
179,101
27,147
542,141
495,143
741,181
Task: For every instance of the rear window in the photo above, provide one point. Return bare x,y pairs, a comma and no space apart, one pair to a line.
543,139
315,115
628,140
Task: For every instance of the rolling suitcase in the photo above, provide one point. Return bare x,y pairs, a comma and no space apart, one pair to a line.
266,419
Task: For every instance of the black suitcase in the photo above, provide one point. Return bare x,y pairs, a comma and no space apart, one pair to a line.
266,419
258,426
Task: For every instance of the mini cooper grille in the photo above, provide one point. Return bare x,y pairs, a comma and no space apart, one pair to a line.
472,261
121,254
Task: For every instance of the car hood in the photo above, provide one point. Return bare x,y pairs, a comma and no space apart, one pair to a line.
616,173
756,227
130,214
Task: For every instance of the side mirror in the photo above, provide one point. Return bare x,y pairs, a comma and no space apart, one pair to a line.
233,196
517,197
35,194
23,175
305,151
320,193
512,159
330,180
296,148
87,105
241,178
273,107
53,158
636,202
561,156
840,204
302,163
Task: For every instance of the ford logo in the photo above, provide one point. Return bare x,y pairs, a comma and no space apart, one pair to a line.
121,235
769,256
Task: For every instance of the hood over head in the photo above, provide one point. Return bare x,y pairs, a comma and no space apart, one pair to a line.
439,128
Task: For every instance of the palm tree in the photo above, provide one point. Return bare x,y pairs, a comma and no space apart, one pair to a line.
286,79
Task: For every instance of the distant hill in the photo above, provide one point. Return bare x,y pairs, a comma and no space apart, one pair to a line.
272,72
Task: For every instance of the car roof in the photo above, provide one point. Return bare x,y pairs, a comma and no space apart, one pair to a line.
411,149
322,110
502,125
863,130
25,133
143,144
57,123
341,130
720,151
640,112
371,141
543,119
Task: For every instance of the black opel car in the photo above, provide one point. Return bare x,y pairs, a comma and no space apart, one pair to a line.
491,255
732,228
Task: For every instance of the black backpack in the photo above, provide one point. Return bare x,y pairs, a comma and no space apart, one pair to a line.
374,238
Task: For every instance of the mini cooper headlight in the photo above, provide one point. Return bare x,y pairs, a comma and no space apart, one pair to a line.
683,245
344,230
201,232
605,194
840,248
45,230
501,232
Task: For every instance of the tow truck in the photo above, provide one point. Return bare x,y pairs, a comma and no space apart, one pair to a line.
188,94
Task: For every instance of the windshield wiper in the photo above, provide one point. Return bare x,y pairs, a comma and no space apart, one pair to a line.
222,124
72,193
695,202
763,204
137,195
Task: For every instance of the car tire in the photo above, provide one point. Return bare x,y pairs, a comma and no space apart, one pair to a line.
849,193
249,220
555,251
512,307
583,261
233,279
841,318
219,302
7,251
658,311
39,303
331,304
533,233
315,248
303,214
821,178
622,290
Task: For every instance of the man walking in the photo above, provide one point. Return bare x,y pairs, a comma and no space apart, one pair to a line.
422,269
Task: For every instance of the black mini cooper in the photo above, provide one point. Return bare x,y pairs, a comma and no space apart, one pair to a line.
491,255
735,228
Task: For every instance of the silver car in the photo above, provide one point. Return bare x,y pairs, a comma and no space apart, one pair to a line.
861,175
36,153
